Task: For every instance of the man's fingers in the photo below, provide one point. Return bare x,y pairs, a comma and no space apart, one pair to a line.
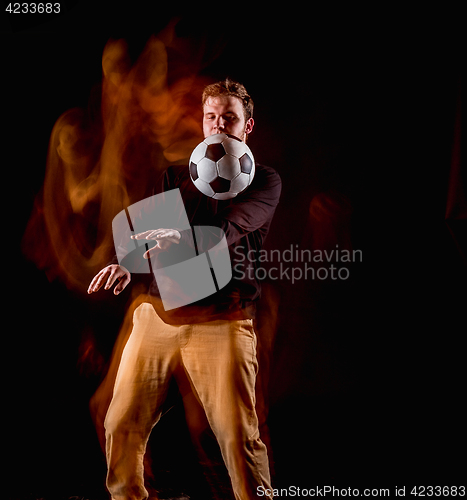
109,275
98,280
162,244
149,235
113,276
101,279
157,234
91,285
122,284
141,236
152,251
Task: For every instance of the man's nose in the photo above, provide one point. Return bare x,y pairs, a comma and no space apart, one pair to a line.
220,124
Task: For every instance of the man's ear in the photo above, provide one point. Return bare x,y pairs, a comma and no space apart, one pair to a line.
249,126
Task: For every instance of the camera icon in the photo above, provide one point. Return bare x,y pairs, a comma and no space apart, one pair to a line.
193,270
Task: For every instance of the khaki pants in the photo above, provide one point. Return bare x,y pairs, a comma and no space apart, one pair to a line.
219,359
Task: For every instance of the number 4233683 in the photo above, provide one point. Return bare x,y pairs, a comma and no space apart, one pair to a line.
33,8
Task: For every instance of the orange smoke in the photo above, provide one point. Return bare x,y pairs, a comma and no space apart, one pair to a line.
108,156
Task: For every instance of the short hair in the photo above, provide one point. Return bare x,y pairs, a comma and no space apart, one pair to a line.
230,88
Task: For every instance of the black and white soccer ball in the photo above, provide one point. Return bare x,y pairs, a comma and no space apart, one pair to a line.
222,166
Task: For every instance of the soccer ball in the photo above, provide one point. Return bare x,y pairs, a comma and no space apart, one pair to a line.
222,166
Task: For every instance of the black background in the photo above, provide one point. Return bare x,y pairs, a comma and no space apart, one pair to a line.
367,376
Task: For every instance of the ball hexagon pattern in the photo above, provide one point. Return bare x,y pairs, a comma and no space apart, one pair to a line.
222,166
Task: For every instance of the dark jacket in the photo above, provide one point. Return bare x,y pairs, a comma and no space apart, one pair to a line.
245,220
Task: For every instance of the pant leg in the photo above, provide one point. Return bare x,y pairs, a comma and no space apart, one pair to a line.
220,359
140,389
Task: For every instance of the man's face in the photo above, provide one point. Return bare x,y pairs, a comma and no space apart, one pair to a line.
224,114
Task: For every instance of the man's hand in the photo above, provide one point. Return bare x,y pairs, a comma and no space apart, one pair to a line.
164,238
110,273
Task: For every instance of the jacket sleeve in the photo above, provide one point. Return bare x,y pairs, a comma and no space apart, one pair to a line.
252,210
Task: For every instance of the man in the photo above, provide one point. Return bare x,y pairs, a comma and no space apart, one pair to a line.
212,341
